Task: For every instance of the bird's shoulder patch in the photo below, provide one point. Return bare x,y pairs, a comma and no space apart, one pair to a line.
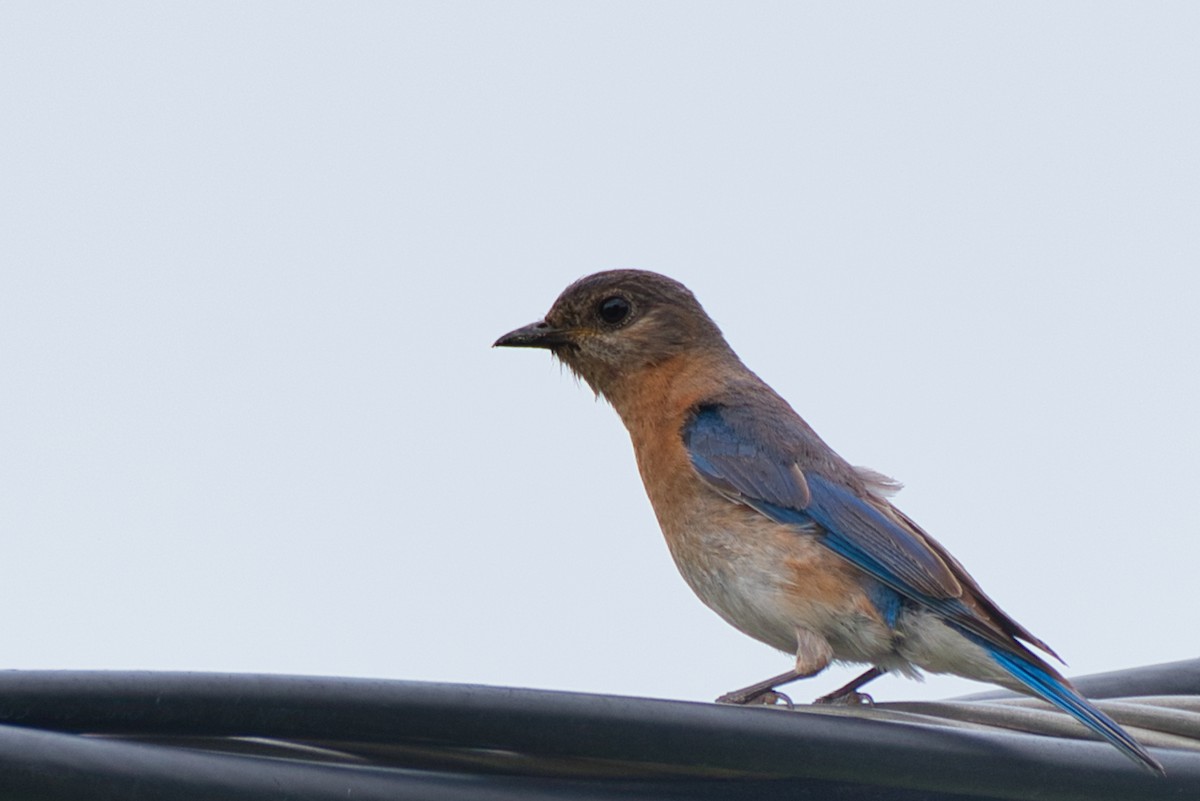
738,456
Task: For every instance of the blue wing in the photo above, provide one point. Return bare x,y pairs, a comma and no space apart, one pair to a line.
746,457
769,459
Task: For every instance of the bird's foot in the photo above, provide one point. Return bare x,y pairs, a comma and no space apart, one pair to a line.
763,692
848,695
851,698
763,697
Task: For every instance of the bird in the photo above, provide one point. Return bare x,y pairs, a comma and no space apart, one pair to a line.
771,528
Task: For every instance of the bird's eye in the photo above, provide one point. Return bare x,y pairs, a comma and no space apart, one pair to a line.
613,310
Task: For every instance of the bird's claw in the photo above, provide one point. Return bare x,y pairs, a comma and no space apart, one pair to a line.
764,698
851,698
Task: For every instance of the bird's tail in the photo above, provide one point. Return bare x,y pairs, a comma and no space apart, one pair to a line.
1045,682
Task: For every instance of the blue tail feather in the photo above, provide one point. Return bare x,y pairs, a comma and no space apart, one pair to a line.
1054,690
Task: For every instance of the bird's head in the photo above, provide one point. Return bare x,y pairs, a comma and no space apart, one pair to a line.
610,326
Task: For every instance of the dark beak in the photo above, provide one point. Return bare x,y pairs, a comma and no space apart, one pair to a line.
535,335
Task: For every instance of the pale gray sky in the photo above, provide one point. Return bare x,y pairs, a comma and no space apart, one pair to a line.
253,256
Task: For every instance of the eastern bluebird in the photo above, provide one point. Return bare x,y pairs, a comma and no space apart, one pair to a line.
771,528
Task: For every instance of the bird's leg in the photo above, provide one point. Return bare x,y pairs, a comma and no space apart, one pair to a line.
758,691
813,654
849,693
